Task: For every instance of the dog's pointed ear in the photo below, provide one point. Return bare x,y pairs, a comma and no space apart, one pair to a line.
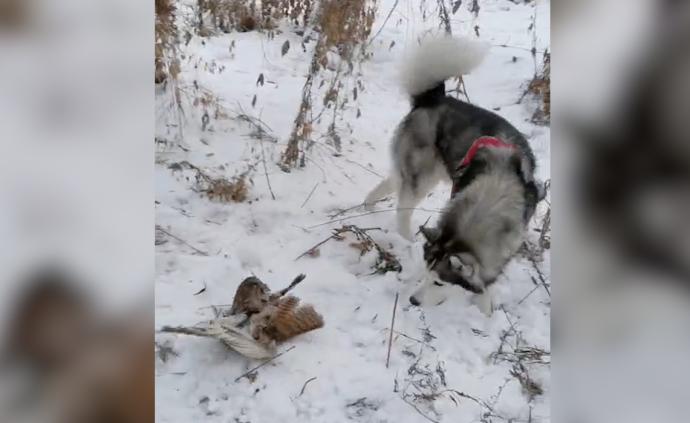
524,168
455,262
541,190
431,234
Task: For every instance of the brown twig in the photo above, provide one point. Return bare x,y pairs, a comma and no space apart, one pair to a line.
390,338
263,364
305,386
309,251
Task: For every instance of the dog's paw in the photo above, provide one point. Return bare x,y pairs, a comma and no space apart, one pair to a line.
485,304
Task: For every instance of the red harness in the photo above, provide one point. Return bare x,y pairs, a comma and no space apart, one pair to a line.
480,142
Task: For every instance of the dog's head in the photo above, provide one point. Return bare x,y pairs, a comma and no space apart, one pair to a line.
483,225
451,259
449,263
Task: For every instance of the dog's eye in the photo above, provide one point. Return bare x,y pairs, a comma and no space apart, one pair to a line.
438,283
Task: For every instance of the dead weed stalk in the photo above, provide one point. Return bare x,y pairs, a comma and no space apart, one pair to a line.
234,190
364,243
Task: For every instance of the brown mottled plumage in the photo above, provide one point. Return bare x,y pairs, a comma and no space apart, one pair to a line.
251,297
283,319
273,317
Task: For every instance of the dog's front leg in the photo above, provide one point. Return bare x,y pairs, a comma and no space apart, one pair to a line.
384,188
485,302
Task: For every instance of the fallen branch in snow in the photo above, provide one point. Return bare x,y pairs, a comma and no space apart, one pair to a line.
372,212
419,411
313,250
263,364
343,211
390,338
385,262
160,229
263,161
529,385
261,130
415,339
305,386
542,279
521,356
309,196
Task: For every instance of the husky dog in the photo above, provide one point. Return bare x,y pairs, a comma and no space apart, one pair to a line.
488,161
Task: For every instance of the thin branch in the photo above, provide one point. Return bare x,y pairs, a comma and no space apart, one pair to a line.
528,294
419,411
373,212
390,338
542,279
305,386
309,251
309,196
414,339
263,364
385,21
263,161
203,253
364,167
343,211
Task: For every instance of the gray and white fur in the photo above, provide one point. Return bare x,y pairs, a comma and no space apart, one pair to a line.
483,224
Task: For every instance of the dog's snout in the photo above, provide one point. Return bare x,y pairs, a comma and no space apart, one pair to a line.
414,301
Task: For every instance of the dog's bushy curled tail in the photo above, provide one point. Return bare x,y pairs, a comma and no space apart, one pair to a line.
429,64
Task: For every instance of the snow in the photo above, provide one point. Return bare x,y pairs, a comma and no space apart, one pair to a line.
263,237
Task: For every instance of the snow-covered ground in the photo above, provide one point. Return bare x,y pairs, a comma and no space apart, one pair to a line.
438,352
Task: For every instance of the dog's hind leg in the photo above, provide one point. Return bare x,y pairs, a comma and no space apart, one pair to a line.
384,188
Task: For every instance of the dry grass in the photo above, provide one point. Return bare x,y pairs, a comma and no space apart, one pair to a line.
344,27
250,15
540,86
364,243
167,64
235,190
